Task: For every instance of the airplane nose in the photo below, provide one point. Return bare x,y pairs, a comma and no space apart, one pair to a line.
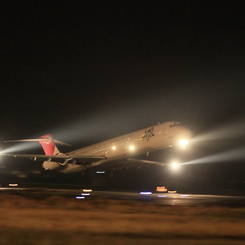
188,133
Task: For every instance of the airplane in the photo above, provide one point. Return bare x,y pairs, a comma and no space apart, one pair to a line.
110,152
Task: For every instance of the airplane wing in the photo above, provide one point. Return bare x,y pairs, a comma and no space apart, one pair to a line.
132,162
57,158
146,162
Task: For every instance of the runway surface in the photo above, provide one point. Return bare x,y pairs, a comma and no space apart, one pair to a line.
181,199
178,198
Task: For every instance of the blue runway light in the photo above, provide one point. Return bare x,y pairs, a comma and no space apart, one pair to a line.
79,197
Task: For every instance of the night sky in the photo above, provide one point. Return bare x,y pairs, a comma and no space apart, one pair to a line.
86,71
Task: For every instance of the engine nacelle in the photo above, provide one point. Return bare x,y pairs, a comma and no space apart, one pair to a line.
48,165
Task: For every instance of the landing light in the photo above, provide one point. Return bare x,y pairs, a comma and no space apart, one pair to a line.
183,143
131,147
175,165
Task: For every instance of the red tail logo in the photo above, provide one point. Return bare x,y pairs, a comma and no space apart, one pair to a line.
47,144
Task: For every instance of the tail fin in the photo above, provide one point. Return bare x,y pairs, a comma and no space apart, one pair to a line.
48,145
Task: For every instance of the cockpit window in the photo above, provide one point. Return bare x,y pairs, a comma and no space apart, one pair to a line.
174,124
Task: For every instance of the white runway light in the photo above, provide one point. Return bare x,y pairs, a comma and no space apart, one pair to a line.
145,192
100,172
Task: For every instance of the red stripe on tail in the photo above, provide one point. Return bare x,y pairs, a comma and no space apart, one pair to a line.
47,145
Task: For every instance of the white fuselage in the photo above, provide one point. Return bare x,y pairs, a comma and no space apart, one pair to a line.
146,140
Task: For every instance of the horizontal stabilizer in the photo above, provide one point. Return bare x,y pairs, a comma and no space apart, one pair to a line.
38,140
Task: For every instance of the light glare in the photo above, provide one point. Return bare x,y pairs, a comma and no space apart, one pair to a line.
183,142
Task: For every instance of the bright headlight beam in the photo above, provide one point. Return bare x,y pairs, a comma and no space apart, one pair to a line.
231,155
20,147
229,130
